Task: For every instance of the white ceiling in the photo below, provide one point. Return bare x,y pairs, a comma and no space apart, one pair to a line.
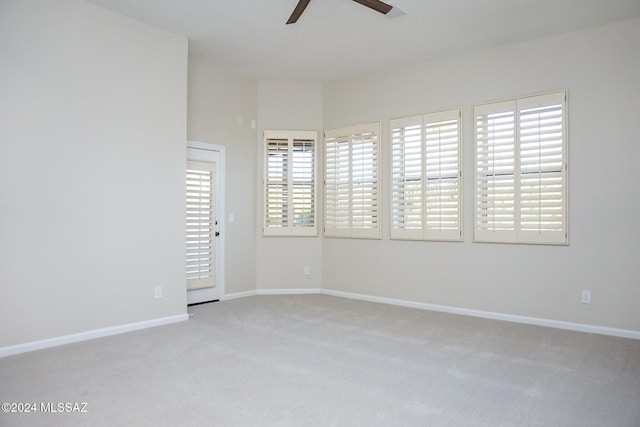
340,38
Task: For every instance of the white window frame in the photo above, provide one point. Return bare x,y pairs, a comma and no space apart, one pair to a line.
504,164
352,202
420,164
288,222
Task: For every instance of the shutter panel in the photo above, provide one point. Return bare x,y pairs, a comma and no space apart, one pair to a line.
200,224
364,181
290,183
406,192
495,171
337,183
442,172
277,184
542,173
351,182
303,183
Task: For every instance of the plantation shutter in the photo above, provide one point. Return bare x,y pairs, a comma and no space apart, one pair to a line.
407,178
521,170
277,184
364,181
426,175
495,171
200,224
290,183
542,169
337,183
304,183
351,182
442,195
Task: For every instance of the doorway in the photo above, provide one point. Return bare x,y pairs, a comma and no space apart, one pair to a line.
204,222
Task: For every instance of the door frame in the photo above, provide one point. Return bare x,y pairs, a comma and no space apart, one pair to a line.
220,213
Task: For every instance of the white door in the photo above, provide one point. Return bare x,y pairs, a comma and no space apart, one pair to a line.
203,224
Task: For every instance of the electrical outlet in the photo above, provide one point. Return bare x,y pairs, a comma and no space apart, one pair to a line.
585,296
307,270
157,292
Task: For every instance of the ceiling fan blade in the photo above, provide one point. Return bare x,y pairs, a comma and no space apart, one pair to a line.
302,5
376,5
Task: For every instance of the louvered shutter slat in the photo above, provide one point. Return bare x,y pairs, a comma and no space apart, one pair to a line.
200,219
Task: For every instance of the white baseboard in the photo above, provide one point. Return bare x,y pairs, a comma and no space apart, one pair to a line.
557,324
289,291
578,327
98,333
89,335
270,292
236,295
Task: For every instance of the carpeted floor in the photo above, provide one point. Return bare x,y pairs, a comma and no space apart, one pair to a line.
314,360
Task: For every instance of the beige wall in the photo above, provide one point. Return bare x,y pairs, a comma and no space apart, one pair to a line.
92,131
281,260
599,67
217,98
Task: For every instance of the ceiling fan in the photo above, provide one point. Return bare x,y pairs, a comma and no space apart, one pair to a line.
377,5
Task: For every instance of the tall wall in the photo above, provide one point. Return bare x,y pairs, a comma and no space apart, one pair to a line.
92,131
281,260
217,99
599,67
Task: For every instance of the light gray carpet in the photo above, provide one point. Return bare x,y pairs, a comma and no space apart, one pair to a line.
315,360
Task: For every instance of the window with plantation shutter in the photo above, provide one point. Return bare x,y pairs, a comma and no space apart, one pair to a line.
521,170
200,224
352,182
290,183
427,177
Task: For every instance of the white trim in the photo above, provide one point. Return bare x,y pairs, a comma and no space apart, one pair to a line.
314,291
222,218
289,291
89,335
115,330
558,324
237,295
